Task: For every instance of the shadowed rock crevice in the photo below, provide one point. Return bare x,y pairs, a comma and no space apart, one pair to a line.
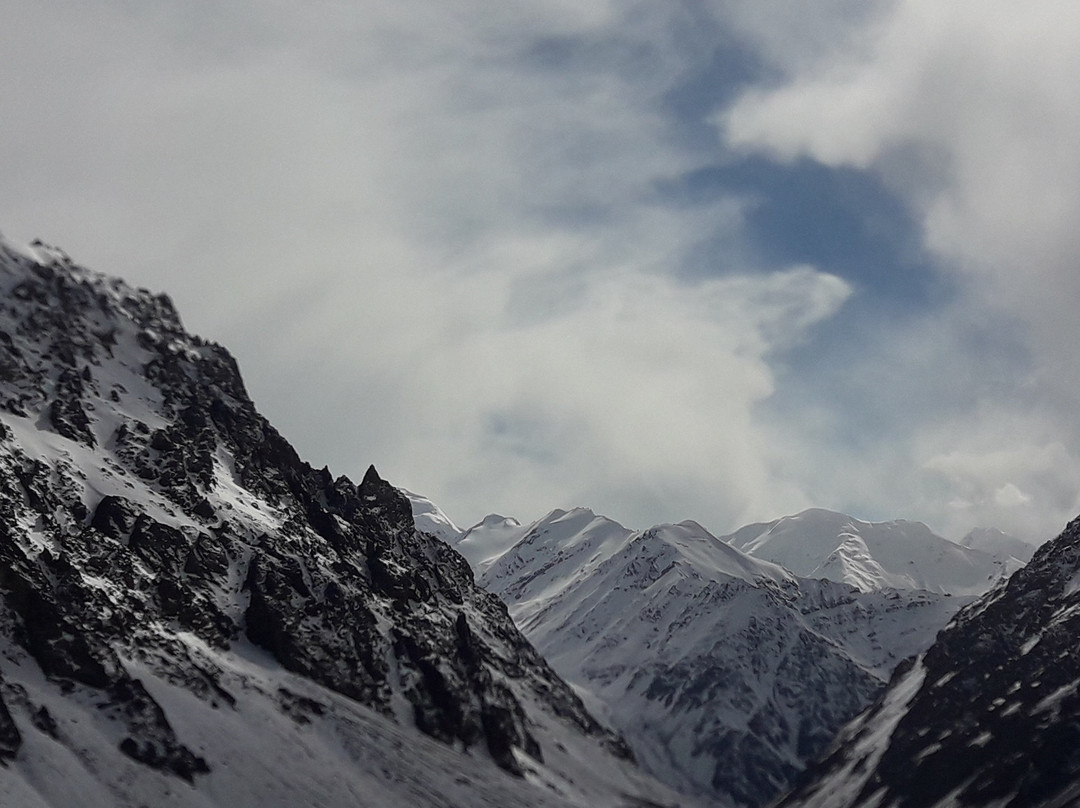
10,737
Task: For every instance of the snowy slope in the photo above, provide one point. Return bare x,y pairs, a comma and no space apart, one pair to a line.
272,739
989,715
429,518
193,616
482,544
872,555
725,673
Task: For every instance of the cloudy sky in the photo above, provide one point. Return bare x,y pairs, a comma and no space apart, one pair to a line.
718,260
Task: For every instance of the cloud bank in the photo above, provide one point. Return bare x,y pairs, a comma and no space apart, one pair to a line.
519,257
968,112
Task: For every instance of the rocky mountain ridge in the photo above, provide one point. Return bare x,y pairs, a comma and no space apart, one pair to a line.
161,543
726,673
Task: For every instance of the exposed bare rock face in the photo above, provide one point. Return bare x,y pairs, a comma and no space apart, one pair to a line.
158,538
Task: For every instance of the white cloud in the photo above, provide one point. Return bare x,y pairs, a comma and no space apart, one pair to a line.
969,109
986,87
637,400
435,245
1005,476
1009,496
429,246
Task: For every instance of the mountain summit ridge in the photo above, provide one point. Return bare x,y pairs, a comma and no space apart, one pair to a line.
725,672
899,554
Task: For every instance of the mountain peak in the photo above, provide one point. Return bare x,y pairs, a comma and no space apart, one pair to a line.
992,540
497,519
725,672
898,554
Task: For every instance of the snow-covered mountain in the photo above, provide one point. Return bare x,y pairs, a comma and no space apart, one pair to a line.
998,543
988,716
429,518
725,673
872,555
193,616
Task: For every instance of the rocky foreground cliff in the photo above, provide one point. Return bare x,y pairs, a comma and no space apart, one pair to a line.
192,615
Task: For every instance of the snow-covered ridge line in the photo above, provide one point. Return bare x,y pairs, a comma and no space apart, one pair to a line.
18,257
724,671
818,543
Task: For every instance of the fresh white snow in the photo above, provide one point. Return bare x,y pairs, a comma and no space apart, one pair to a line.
873,555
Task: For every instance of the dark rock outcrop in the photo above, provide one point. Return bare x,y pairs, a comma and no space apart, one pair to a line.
167,507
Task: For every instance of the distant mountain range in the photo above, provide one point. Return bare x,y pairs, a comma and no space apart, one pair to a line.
875,555
726,672
987,716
